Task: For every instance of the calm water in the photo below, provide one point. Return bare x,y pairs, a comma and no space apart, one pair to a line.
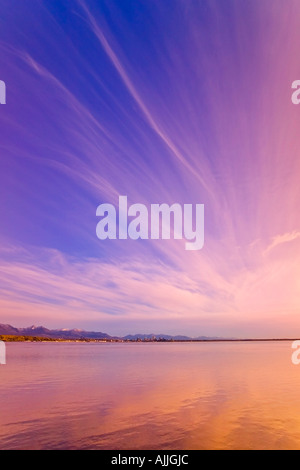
149,396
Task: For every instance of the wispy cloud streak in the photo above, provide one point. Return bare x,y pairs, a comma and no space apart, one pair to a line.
186,106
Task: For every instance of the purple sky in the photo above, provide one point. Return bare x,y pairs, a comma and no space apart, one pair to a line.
178,101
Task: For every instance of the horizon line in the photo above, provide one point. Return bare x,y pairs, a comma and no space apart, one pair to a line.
157,336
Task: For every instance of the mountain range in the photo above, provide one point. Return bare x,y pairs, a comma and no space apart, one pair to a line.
42,332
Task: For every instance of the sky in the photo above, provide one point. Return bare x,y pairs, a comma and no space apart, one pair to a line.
173,101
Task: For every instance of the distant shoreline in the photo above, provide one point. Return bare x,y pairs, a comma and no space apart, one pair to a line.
37,339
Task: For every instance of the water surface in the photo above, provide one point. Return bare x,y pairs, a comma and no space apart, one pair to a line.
149,396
